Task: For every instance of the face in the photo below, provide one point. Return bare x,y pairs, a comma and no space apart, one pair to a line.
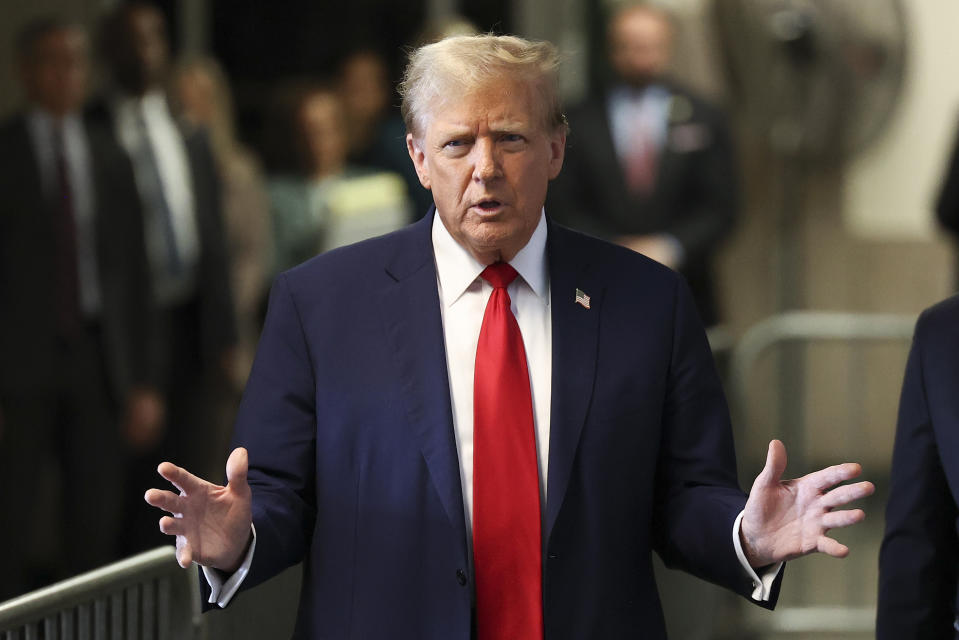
197,96
640,43
55,75
323,134
364,87
487,159
141,62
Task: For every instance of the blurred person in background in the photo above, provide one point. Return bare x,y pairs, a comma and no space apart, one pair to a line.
74,319
919,557
650,165
203,99
375,130
947,205
319,200
180,191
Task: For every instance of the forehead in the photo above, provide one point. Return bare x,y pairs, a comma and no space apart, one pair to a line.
68,40
506,104
640,22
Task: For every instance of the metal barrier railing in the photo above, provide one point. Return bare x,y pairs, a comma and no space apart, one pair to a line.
805,328
145,597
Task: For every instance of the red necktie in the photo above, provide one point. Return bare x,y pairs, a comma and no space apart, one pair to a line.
507,555
641,161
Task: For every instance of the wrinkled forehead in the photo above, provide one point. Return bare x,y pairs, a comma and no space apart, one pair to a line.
500,99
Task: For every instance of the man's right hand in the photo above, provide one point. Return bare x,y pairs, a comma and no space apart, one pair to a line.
212,524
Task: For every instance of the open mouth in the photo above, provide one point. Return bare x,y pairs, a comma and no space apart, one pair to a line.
488,205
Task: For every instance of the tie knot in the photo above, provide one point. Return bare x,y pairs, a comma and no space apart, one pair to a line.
499,274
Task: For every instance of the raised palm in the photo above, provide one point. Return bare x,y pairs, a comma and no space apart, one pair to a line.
786,519
212,523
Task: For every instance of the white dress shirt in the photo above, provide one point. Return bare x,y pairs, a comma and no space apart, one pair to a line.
463,298
173,165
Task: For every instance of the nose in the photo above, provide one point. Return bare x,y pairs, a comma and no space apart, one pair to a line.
486,163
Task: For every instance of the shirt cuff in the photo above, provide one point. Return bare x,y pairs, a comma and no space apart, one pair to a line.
762,585
224,587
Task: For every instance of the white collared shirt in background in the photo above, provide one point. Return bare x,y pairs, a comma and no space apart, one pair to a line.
176,179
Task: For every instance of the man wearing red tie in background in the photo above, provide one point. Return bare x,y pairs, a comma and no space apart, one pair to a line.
481,425
650,164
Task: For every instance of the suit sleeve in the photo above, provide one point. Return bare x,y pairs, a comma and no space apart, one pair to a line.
277,424
920,551
697,493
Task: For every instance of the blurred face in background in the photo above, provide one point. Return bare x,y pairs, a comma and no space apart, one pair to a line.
140,54
55,70
323,133
640,45
197,95
364,86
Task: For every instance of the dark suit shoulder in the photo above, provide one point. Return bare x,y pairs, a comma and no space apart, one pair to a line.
940,323
368,262
13,129
613,261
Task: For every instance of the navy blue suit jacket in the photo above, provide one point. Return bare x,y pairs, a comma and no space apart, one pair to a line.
353,463
919,558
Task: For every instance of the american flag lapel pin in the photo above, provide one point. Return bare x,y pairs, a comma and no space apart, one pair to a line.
582,299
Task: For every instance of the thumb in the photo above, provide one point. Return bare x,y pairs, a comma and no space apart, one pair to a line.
772,473
236,467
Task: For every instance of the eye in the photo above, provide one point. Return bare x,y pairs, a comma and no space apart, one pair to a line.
511,137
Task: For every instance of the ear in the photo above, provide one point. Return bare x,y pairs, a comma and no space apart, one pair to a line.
557,151
418,156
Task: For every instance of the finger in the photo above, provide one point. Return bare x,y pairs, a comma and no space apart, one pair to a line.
772,473
172,526
847,493
832,547
236,468
839,519
179,477
831,476
166,500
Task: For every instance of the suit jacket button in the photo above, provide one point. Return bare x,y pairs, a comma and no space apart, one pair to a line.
461,577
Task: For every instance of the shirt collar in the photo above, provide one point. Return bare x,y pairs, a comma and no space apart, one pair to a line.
42,122
457,269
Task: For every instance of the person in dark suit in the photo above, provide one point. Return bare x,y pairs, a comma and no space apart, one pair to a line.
74,317
919,557
650,165
180,190
481,425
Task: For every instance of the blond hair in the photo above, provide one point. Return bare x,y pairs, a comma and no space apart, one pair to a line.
460,65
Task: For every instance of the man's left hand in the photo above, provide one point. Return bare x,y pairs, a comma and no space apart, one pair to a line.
786,519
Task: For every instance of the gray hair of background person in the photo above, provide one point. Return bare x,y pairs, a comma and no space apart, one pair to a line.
32,32
461,65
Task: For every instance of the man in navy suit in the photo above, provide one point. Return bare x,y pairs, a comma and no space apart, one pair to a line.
363,444
919,558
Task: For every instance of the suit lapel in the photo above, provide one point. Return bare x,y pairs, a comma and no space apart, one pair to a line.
575,341
414,328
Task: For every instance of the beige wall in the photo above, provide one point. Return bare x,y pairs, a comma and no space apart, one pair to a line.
891,188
